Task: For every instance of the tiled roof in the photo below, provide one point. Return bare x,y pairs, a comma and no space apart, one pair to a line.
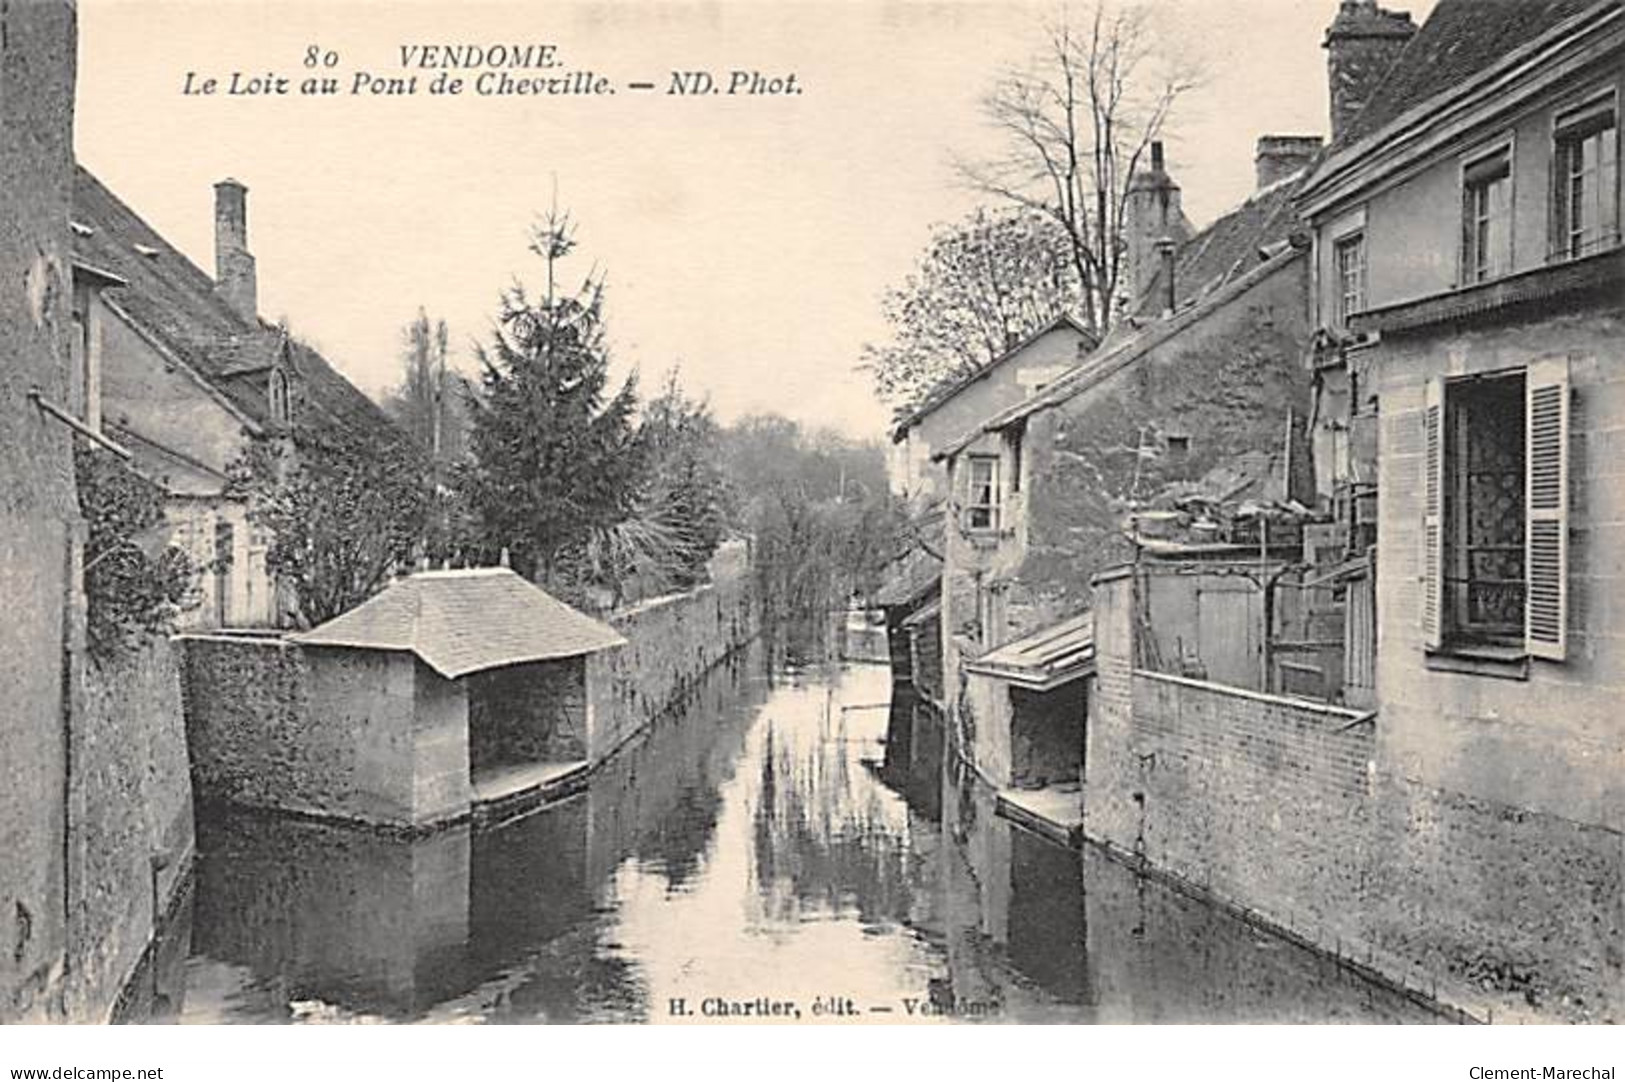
461,622
1045,658
1460,39
939,395
1229,247
174,302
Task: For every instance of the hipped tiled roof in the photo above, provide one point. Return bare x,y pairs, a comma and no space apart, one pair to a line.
172,301
461,622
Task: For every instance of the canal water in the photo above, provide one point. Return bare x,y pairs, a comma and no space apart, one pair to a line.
746,859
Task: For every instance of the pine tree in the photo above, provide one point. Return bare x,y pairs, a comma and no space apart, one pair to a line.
556,458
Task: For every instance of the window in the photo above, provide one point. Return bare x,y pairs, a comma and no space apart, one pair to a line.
1486,217
1585,184
1350,253
982,498
1495,511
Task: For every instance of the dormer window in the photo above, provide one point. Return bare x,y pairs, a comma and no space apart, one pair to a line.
281,407
1350,253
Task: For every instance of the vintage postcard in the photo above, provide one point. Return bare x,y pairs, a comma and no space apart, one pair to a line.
918,513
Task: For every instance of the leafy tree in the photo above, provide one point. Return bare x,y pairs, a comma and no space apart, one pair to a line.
1075,123
135,585
818,507
682,446
344,505
983,285
556,457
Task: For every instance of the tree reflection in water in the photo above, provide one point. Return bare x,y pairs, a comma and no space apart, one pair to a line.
748,845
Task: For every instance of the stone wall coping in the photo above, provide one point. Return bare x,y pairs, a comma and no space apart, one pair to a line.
270,638
1306,705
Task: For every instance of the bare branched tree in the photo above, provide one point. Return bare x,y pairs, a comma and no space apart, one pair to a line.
1074,124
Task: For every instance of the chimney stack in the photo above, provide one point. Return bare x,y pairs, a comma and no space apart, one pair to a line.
1361,45
1279,156
1152,214
234,277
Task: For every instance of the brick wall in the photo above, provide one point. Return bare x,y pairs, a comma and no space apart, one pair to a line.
1289,810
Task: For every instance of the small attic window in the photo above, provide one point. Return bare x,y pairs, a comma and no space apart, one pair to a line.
145,250
81,229
1179,446
278,393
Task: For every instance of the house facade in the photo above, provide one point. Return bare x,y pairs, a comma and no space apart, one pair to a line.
1469,295
1206,373
950,411
179,368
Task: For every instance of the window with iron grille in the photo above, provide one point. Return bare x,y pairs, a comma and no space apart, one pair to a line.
1585,183
1486,218
1495,510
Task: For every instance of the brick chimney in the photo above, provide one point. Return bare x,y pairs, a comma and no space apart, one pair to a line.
1279,156
1361,45
1152,213
234,277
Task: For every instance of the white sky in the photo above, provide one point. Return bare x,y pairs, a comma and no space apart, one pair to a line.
748,239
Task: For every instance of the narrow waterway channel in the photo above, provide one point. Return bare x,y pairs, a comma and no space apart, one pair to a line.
745,854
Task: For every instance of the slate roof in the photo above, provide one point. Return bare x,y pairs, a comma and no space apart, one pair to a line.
173,301
462,622
1043,659
1231,245
942,394
1459,39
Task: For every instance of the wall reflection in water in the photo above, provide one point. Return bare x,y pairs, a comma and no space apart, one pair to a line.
768,839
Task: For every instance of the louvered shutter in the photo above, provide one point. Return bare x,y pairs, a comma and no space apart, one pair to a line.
1546,537
1433,515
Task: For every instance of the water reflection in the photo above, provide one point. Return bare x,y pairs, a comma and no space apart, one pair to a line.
767,845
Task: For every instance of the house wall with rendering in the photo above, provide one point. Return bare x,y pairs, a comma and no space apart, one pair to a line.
1226,385
1000,386
1413,225
39,512
186,438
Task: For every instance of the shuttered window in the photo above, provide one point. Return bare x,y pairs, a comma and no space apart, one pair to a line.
1433,516
1495,511
1546,556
